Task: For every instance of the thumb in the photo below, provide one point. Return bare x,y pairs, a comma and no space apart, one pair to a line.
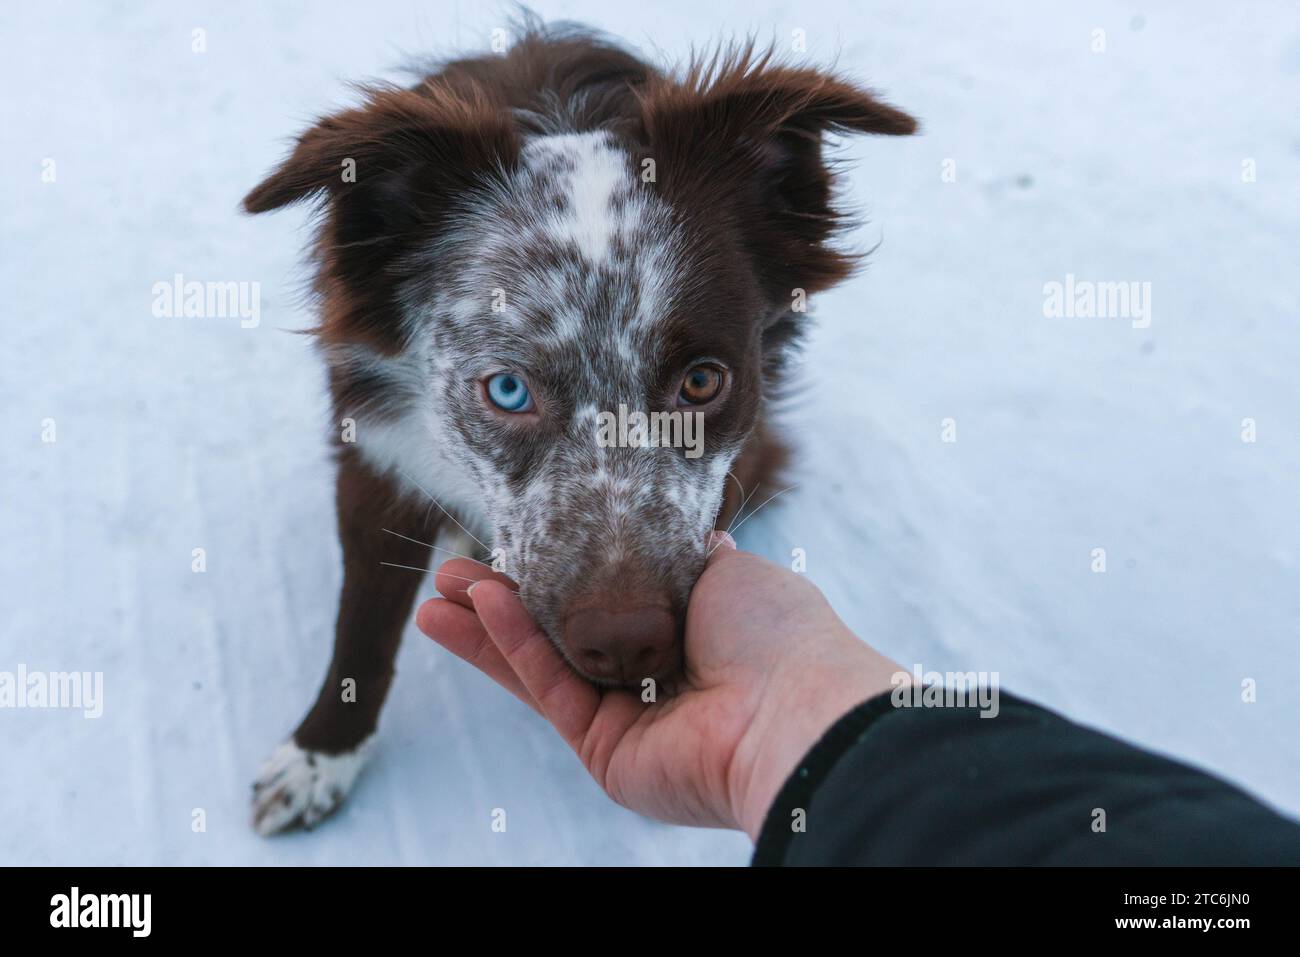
718,546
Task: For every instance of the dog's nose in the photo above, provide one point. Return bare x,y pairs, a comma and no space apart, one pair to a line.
625,646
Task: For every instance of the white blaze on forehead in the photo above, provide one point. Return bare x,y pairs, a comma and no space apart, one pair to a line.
596,172
579,192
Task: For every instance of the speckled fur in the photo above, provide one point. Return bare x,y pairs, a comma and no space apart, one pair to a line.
570,213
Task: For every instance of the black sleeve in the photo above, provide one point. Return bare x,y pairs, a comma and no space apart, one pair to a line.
898,785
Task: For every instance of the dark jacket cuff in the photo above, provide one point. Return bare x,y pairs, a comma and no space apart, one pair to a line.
799,788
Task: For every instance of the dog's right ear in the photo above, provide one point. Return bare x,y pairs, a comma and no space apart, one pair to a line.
392,173
430,138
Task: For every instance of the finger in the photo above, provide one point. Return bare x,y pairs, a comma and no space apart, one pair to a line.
718,546
459,631
456,575
565,699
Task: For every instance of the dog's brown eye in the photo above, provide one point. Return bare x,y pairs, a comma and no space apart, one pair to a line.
702,384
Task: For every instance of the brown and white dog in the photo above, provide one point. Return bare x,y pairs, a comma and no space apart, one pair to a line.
509,248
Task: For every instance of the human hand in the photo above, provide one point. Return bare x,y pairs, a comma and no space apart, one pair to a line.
769,667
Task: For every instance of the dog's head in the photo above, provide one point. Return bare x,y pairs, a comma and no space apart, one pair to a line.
527,254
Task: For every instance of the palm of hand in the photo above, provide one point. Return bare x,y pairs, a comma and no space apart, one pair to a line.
674,759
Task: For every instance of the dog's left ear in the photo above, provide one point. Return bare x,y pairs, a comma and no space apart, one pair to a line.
741,137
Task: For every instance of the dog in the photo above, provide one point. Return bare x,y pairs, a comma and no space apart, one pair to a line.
510,248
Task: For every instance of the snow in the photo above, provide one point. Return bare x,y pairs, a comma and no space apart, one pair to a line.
1072,434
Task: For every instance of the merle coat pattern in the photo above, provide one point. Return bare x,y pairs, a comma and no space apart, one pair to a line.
568,213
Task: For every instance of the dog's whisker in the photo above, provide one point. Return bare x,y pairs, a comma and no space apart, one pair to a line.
439,548
414,568
770,498
462,578
411,567
732,475
417,568
404,475
740,509
735,519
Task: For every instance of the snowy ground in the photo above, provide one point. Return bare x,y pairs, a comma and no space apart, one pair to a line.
1072,434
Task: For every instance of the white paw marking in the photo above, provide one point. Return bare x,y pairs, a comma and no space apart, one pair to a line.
297,787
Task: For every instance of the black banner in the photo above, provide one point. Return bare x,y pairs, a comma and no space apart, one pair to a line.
338,905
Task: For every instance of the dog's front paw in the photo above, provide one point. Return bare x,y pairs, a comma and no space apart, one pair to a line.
300,788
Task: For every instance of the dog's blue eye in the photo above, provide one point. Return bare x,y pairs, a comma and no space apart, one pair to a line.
508,393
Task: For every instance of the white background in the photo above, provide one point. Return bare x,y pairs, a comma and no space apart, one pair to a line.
1072,434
